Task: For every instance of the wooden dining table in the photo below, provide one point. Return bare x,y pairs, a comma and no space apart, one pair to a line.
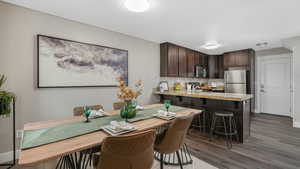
36,155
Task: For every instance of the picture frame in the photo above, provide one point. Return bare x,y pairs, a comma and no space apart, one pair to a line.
63,63
163,86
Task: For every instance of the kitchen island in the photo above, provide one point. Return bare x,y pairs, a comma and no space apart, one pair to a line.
239,104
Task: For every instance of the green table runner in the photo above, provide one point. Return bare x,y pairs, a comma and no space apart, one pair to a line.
33,138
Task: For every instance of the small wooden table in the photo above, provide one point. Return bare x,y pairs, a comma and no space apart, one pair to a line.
36,155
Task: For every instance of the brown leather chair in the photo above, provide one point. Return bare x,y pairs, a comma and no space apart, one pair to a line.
133,151
78,111
118,105
172,139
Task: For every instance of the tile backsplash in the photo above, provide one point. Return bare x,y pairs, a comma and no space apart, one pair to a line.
183,81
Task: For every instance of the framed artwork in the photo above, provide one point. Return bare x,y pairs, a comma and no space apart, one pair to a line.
163,86
66,63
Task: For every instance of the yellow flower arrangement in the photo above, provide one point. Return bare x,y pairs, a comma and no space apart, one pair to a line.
127,93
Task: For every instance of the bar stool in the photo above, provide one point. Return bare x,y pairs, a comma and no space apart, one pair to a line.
199,121
227,126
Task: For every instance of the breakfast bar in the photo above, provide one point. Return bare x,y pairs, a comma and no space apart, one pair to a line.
239,104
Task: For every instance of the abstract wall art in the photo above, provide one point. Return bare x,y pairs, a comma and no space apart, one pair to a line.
67,63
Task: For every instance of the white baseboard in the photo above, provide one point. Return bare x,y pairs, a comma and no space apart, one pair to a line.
296,124
8,156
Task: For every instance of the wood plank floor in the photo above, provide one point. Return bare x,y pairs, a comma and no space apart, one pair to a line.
273,144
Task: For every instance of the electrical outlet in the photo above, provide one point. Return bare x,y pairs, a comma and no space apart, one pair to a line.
19,134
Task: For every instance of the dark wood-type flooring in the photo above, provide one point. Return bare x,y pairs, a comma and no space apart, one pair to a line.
273,144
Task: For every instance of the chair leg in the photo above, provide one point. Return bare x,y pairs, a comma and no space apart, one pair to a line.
179,160
230,129
212,128
161,160
235,129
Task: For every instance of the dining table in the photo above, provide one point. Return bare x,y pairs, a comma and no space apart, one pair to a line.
40,154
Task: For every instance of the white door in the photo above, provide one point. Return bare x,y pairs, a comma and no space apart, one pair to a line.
275,87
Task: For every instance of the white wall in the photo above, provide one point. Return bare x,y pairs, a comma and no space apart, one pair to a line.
294,45
18,30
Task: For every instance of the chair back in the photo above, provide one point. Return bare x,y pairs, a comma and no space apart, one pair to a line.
175,135
128,152
118,105
78,111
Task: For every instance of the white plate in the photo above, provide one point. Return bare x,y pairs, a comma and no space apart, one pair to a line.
112,132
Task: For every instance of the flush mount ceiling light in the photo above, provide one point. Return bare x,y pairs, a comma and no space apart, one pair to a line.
137,5
211,45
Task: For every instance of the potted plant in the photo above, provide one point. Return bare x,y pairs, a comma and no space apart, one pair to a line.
129,96
5,99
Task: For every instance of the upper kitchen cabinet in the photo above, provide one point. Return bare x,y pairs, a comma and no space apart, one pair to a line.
240,58
197,58
203,59
169,60
183,60
190,63
215,66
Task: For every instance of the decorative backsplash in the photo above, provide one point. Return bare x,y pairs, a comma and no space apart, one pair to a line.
183,81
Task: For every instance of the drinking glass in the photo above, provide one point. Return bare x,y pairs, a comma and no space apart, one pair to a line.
167,104
87,113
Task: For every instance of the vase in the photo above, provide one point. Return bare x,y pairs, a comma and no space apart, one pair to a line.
129,110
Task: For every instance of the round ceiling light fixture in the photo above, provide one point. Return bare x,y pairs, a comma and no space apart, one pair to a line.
211,45
137,5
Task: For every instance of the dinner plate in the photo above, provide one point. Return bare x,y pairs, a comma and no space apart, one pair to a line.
113,132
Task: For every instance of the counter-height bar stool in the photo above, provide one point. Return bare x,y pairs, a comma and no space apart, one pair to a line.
224,123
133,151
172,140
200,121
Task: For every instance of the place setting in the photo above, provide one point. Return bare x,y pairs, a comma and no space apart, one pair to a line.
165,114
119,127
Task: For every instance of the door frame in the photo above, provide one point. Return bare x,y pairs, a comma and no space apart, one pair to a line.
259,60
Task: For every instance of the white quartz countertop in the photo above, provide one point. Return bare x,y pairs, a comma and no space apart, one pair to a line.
208,95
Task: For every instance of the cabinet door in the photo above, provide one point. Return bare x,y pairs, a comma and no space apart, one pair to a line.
163,59
205,60
220,65
182,62
212,66
191,63
172,60
229,60
242,58
197,58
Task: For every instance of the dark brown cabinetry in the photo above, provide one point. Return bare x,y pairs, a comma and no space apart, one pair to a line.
190,63
215,68
172,60
177,61
183,60
169,60
237,59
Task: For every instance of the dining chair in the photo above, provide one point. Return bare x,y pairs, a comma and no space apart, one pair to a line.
134,151
118,105
172,140
78,111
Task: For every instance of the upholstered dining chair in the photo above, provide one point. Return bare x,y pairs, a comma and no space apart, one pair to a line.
78,111
172,140
134,151
118,105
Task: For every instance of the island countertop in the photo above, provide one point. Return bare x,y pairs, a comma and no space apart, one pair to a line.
207,95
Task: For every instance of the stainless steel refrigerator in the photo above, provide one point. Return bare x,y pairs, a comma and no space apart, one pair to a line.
236,81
